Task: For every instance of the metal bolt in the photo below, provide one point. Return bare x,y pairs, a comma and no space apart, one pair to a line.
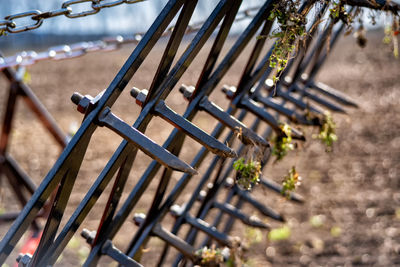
229,182
139,95
23,260
187,91
176,210
201,195
81,101
139,218
229,91
287,81
269,83
88,235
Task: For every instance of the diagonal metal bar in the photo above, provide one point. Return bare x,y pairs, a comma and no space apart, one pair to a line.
115,195
171,48
332,93
139,190
245,134
203,226
278,189
298,102
110,250
87,128
254,108
145,144
237,213
317,99
170,238
193,131
292,115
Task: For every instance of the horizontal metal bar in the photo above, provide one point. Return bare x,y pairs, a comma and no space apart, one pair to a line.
260,112
278,188
179,211
259,206
19,173
298,102
110,250
318,99
292,115
141,141
237,213
211,231
173,240
8,217
244,133
331,92
193,131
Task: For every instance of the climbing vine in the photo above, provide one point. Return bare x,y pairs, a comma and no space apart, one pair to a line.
327,133
247,172
290,182
210,256
283,142
291,30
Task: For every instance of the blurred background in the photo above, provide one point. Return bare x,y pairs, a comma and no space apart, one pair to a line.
125,19
351,216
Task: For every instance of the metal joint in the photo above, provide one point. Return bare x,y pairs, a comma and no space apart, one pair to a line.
23,260
14,29
229,91
51,14
7,23
139,95
187,91
105,4
88,235
82,102
83,13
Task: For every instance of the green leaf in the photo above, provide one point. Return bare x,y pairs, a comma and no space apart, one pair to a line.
336,231
278,234
317,220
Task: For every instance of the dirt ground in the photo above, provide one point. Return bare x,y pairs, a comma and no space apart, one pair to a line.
351,216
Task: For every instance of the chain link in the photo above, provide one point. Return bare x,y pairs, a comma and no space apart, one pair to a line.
36,23
9,25
61,52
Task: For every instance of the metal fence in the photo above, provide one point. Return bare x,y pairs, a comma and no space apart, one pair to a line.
269,104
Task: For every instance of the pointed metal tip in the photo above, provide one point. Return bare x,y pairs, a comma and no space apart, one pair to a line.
353,104
339,110
297,198
298,135
232,153
182,167
222,150
274,215
256,222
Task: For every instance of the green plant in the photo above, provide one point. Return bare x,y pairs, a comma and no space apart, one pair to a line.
291,29
247,172
338,12
391,33
279,234
283,142
210,256
327,133
290,181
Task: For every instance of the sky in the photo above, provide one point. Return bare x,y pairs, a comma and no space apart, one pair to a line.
123,19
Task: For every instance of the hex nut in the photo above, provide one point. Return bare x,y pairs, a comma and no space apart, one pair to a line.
139,95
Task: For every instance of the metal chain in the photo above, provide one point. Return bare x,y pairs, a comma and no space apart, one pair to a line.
27,58
8,24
